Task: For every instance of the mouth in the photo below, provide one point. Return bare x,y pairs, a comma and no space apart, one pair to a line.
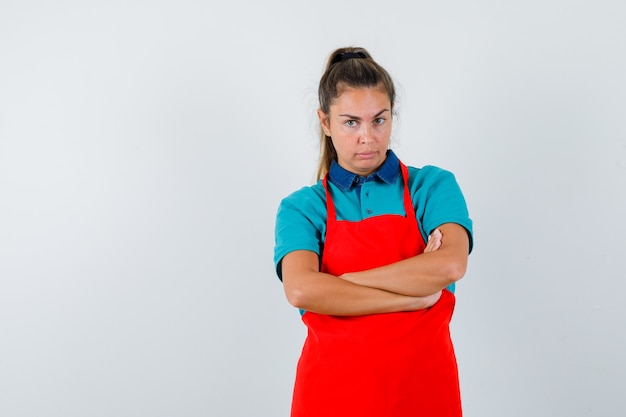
366,155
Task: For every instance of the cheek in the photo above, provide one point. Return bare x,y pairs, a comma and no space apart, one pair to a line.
342,134
342,144
386,132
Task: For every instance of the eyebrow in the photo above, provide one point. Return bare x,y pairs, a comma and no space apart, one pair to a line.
358,118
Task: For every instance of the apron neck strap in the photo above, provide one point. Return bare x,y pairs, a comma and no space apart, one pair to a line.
408,203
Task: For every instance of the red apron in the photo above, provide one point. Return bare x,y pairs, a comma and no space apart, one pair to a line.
379,365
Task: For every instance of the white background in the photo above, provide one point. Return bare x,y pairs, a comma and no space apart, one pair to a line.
145,146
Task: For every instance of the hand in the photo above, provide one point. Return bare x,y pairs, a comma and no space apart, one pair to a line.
431,300
434,241
422,303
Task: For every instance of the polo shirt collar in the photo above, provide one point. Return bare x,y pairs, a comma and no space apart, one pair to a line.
345,180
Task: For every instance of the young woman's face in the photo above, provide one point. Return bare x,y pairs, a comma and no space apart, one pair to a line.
359,124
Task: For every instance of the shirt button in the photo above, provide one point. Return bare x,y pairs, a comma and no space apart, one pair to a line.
369,211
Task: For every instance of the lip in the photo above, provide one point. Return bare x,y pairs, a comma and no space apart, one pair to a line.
366,155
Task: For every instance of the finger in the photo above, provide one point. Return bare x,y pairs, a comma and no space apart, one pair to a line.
430,244
434,242
435,237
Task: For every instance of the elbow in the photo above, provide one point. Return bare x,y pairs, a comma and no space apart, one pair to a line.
299,289
455,270
295,296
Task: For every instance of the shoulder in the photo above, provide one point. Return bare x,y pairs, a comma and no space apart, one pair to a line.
430,175
305,198
428,171
303,212
438,199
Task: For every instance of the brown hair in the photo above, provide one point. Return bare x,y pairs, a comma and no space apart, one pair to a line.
347,67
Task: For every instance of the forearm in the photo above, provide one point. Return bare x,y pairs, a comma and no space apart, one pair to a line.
309,289
417,276
327,294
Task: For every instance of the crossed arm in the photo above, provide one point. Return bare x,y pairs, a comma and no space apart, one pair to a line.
408,285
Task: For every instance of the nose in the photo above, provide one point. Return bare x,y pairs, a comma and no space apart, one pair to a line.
365,136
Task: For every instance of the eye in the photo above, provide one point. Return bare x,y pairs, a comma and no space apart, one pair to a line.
350,123
379,121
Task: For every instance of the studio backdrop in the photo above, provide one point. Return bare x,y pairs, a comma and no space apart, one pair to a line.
145,147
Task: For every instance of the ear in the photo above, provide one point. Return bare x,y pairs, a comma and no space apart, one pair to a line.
324,121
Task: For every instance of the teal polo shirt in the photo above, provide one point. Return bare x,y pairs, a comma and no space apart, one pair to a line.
436,197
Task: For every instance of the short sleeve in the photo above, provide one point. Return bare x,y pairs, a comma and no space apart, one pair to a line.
438,199
300,223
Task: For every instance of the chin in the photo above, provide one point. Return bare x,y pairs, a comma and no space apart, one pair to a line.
364,171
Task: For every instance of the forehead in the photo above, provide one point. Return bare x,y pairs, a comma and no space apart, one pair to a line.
362,99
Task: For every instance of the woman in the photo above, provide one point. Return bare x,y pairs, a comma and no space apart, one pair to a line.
370,255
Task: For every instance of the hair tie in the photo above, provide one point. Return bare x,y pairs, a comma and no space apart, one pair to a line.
347,55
